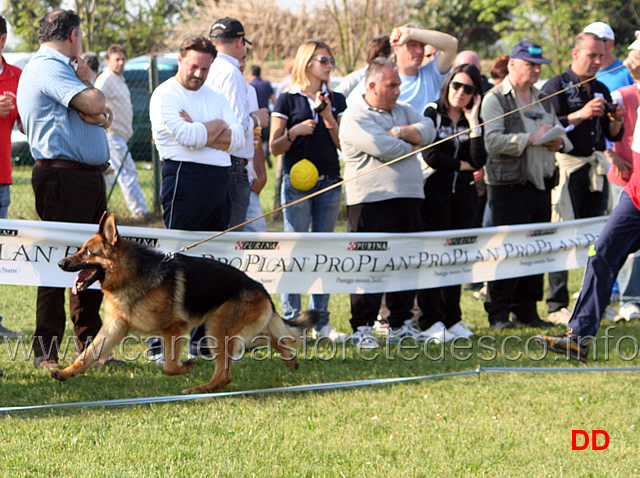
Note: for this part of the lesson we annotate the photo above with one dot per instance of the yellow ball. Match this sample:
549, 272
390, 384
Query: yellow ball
303, 175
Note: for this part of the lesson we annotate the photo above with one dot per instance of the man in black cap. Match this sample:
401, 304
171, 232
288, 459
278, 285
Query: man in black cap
520, 175
225, 77
583, 187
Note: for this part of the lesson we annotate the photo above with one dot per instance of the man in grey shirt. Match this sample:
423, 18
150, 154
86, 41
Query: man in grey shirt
375, 129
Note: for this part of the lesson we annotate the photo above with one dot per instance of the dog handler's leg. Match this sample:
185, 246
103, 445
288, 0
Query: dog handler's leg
174, 339
109, 335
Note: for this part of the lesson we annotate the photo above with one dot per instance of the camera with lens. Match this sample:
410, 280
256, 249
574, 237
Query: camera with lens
610, 108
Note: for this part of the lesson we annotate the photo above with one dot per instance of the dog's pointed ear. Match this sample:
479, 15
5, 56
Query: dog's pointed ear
108, 228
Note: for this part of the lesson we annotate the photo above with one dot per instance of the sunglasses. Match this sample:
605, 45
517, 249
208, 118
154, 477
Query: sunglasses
533, 116
325, 60
468, 89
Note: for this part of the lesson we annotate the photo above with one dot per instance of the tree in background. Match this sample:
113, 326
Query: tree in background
460, 19
24, 18
141, 26
555, 23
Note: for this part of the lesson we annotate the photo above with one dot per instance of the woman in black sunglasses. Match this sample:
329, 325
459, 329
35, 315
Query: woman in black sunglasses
305, 124
450, 193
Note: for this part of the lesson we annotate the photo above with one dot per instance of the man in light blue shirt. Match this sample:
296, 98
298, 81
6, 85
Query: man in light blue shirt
620, 76
64, 118
421, 83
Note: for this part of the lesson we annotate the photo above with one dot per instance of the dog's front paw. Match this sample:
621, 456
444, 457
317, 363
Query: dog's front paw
58, 374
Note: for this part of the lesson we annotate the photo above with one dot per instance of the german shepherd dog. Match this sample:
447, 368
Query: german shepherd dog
153, 294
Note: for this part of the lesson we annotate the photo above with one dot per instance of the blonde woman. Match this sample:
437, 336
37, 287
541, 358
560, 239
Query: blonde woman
305, 124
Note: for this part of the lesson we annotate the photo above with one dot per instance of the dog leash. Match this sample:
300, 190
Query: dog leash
170, 255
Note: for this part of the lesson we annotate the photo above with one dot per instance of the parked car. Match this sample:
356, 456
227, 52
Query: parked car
136, 74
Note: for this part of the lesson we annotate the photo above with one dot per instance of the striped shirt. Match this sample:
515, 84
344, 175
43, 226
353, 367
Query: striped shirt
55, 130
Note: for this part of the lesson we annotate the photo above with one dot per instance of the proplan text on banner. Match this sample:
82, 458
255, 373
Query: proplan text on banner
323, 262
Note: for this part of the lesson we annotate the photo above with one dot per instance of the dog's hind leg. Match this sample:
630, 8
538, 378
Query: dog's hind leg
288, 357
109, 335
174, 340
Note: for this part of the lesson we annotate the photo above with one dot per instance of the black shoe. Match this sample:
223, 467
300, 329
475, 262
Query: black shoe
535, 322
503, 324
568, 344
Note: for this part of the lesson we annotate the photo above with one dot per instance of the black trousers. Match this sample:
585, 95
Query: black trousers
449, 204
392, 215
67, 195
585, 204
516, 204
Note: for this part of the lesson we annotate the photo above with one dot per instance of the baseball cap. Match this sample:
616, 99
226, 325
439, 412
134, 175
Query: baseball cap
529, 51
228, 27
601, 30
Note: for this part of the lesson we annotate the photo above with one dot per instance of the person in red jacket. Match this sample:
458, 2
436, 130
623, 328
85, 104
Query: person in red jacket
619, 238
9, 76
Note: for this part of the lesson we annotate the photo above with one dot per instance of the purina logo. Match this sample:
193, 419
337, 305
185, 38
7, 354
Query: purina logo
542, 232
368, 246
461, 241
257, 245
9, 232
145, 241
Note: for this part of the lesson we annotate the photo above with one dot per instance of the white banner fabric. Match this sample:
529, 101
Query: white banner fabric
323, 262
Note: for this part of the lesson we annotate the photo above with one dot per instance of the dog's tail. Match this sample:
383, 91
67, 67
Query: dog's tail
292, 331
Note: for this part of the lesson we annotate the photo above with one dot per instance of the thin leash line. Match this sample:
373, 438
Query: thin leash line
388, 163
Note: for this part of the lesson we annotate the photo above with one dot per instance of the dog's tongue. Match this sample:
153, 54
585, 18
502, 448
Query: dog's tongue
74, 289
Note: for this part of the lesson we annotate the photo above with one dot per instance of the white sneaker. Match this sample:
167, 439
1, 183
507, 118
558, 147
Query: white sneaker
363, 338
408, 330
381, 326
610, 313
630, 311
459, 330
329, 332
438, 332
560, 316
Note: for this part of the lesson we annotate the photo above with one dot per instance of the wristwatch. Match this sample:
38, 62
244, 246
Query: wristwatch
396, 132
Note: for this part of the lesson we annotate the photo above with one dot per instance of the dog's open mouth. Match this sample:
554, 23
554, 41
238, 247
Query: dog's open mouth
86, 277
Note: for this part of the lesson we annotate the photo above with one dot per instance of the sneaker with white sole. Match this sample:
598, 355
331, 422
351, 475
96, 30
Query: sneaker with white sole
630, 311
407, 331
329, 332
610, 313
363, 338
560, 316
438, 333
459, 330
381, 325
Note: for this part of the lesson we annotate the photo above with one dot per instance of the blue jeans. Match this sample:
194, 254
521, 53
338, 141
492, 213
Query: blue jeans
319, 214
619, 238
629, 275
5, 200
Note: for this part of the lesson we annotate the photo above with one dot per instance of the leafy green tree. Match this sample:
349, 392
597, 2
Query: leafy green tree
554, 24
460, 19
24, 18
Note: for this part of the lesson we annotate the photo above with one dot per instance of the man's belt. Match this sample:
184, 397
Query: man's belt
242, 161
64, 164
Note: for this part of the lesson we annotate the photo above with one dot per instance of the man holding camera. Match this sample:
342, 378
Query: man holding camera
583, 190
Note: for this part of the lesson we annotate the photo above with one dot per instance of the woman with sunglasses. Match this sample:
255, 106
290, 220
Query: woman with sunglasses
305, 125
450, 193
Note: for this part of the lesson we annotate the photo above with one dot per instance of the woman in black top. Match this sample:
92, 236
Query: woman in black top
450, 193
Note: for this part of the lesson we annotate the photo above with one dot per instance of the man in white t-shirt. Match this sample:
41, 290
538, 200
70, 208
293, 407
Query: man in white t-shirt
195, 130
113, 85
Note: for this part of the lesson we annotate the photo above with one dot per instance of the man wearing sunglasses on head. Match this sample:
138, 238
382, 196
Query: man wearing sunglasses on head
583, 188
520, 174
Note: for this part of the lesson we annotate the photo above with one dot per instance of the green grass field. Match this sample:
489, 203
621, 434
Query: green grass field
492, 424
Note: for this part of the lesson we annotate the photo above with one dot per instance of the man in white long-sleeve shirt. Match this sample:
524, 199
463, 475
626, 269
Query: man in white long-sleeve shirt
195, 130
228, 36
